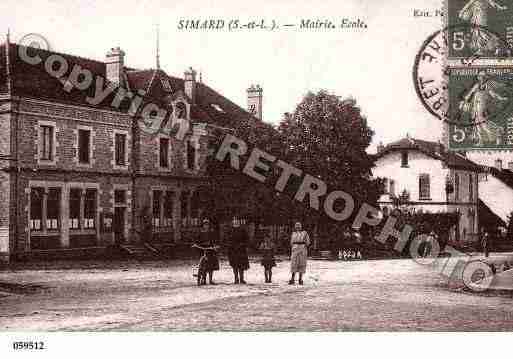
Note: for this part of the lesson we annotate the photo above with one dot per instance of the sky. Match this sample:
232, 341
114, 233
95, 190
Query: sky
373, 65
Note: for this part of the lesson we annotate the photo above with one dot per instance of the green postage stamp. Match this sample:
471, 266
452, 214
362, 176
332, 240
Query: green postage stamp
479, 73
480, 108
482, 28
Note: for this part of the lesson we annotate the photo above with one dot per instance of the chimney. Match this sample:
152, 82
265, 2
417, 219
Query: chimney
498, 164
381, 147
115, 62
255, 101
190, 87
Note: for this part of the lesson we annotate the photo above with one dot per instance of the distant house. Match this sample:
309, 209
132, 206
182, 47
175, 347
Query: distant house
434, 179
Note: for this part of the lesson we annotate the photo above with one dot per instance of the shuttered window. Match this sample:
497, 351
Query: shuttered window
424, 187
120, 145
46, 143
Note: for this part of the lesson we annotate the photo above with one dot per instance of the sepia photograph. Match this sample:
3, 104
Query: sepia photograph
187, 168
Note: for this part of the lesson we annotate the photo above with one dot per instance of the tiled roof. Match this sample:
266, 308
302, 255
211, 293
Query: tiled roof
432, 149
487, 217
33, 81
504, 175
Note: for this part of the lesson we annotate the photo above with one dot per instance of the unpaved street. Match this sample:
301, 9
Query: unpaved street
123, 296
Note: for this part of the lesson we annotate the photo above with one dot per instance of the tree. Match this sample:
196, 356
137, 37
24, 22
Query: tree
327, 137
233, 193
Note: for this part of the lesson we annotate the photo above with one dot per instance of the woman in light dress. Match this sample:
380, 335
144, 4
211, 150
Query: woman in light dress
476, 12
299, 243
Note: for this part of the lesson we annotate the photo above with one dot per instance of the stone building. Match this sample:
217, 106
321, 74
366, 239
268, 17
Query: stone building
78, 170
435, 179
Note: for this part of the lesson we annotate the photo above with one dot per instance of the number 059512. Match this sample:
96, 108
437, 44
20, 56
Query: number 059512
28, 345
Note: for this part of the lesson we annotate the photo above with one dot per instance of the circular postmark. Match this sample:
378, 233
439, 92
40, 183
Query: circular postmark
473, 92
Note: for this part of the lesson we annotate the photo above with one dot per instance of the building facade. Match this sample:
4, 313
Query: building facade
498, 168
434, 179
78, 170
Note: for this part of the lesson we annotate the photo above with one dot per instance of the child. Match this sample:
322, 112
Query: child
268, 262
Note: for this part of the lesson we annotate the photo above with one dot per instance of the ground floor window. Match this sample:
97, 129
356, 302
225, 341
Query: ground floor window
36, 208
44, 208
90, 208
168, 209
53, 208
157, 200
75, 195
82, 208
163, 203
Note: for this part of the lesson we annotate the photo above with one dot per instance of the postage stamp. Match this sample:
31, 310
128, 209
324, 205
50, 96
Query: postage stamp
480, 109
485, 23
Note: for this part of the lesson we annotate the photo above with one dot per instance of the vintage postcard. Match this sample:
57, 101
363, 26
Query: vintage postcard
264, 166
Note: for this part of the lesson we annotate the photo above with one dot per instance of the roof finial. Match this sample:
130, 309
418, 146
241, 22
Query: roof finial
201, 76
8, 37
158, 47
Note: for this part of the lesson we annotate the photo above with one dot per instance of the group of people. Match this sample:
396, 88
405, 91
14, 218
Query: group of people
237, 250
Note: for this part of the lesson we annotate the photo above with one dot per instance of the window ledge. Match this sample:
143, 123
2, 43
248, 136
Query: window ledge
39, 233
83, 164
82, 231
46, 162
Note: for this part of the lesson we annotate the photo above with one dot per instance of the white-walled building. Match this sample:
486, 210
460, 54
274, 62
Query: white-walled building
436, 180
496, 185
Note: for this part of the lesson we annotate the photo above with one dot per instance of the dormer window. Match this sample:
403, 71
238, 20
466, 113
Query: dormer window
181, 111
404, 159
166, 85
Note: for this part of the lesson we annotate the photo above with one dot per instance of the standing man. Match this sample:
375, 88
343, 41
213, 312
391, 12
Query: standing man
485, 244
238, 251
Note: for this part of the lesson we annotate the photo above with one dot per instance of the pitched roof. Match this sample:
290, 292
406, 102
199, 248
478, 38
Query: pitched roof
487, 218
504, 175
33, 81
431, 149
